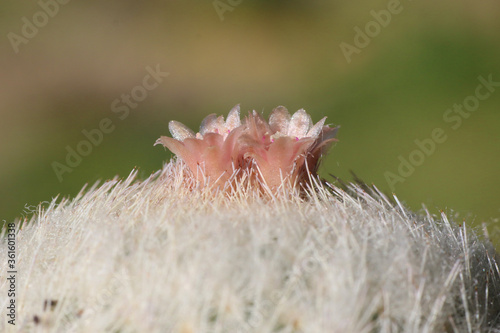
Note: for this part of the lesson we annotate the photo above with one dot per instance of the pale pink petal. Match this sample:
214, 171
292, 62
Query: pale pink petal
213, 139
279, 120
316, 129
328, 132
207, 123
171, 144
194, 154
231, 144
284, 155
187, 154
299, 124
180, 131
257, 129
233, 118
286, 147
212, 124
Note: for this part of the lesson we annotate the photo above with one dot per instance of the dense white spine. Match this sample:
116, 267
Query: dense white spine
165, 256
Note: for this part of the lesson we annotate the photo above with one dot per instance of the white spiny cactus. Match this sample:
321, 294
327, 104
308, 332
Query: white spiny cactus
173, 254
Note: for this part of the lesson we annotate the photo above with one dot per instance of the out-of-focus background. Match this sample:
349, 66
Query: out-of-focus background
389, 72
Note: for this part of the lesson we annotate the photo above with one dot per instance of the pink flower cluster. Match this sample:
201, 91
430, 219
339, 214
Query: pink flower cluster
283, 148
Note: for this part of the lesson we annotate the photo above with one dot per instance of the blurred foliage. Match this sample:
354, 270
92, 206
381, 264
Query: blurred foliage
262, 54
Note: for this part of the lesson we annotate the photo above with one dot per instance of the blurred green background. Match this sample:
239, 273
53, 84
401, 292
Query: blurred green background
66, 74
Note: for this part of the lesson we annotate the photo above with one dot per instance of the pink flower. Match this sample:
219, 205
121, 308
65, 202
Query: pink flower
211, 153
284, 148
287, 147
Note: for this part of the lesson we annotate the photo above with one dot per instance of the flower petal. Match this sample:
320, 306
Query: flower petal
328, 133
279, 120
299, 124
213, 140
179, 131
257, 129
316, 129
175, 146
233, 118
211, 124
285, 147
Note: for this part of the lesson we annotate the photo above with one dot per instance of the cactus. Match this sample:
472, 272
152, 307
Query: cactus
213, 242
